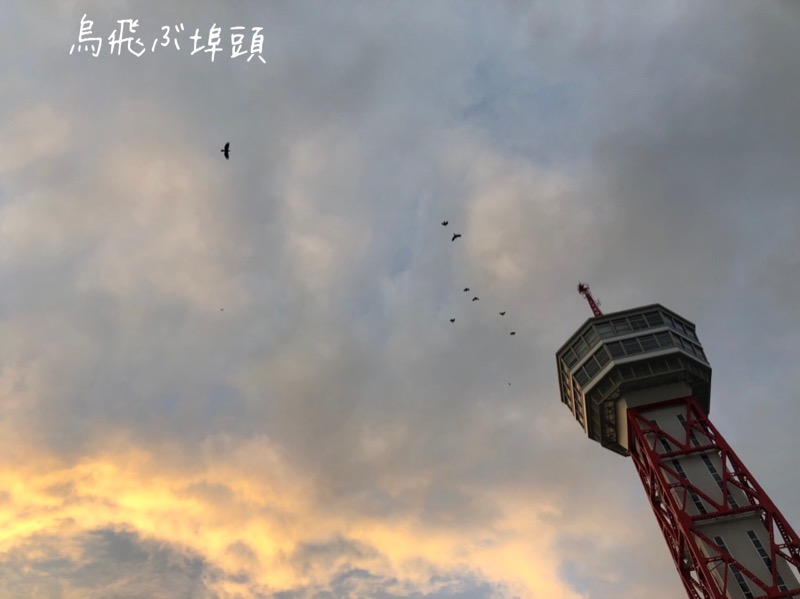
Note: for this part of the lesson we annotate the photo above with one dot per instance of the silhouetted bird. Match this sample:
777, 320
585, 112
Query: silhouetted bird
466, 289
455, 236
513, 332
452, 320
475, 299
444, 223
226, 150
502, 313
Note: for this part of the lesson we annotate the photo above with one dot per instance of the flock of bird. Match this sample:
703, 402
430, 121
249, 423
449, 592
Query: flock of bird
226, 152
466, 289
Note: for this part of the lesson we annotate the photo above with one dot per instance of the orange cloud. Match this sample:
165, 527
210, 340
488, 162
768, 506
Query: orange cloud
246, 512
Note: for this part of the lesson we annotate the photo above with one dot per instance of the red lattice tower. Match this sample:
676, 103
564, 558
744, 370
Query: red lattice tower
639, 383
709, 569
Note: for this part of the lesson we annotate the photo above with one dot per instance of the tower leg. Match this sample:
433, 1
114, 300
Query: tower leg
727, 538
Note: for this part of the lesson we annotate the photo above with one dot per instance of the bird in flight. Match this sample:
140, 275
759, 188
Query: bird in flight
475, 299
452, 320
226, 150
513, 332
455, 236
466, 289
502, 313
444, 223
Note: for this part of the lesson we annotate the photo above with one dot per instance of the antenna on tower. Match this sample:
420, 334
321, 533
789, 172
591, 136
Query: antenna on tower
583, 289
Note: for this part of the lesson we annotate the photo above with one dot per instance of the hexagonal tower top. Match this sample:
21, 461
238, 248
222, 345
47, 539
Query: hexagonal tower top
629, 359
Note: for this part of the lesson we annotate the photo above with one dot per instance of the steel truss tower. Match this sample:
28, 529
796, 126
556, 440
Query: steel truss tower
639, 383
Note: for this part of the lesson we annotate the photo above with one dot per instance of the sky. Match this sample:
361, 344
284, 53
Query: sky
239, 379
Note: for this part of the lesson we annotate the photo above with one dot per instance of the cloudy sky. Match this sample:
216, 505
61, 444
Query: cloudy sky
225, 379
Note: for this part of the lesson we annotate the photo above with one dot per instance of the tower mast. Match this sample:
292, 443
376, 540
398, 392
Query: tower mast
583, 289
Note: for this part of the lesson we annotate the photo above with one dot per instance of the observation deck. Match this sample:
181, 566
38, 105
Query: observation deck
630, 359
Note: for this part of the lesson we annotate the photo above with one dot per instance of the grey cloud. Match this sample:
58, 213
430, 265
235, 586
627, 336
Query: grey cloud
110, 563
675, 129
329, 553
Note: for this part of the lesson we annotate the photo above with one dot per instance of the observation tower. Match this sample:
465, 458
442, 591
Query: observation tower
639, 383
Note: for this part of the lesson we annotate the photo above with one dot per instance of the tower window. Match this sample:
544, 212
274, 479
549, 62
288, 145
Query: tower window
698, 503
664, 339
736, 573
591, 367
762, 552
615, 349
631, 346
604, 329
662, 440
621, 326
698, 351
718, 478
654, 319
695, 441
591, 336
602, 356
648, 342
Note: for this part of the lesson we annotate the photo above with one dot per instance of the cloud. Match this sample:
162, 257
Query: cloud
239, 379
243, 521
35, 133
